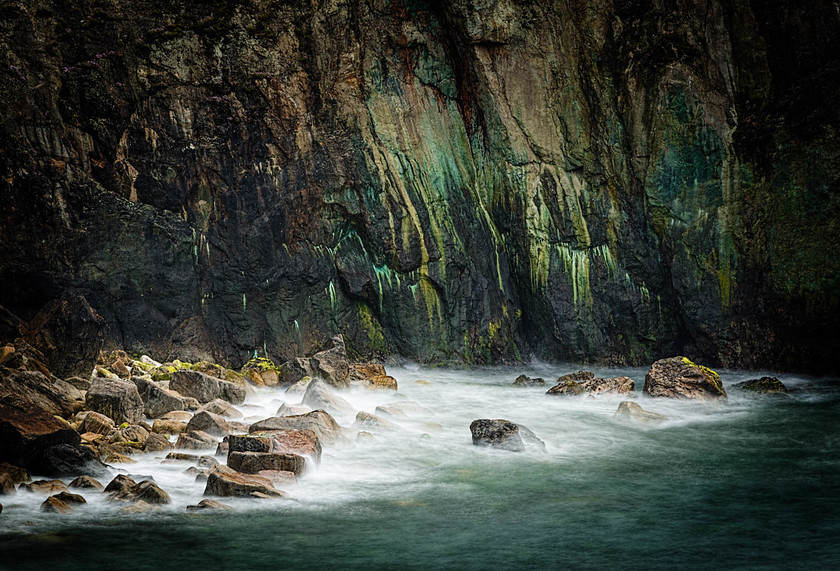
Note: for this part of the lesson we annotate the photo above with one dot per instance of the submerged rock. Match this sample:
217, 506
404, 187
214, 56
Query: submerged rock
504, 434
211, 505
678, 377
628, 410
54, 505
254, 462
366, 421
584, 382
526, 381
319, 396
210, 423
224, 481
764, 385
404, 409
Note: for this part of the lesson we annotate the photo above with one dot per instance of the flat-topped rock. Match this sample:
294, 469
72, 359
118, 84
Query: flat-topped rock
318, 421
679, 377
205, 388
226, 482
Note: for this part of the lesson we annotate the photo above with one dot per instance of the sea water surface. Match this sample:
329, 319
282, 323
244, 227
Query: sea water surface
750, 484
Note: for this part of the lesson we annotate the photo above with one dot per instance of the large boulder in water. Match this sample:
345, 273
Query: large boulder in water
301, 442
628, 410
256, 462
210, 423
66, 460
205, 388
526, 381
678, 377
116, 399
318, 421
224, 481
584, 382
504, 434
157, 400
27, 431
319, 396
764, 386
69, 333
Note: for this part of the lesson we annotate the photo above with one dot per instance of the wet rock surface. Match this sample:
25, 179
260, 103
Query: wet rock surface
504, 434
679, 377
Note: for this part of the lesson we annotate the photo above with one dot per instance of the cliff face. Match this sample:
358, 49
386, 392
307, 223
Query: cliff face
476, 180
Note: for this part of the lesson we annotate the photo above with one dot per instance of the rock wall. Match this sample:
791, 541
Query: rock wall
466, 180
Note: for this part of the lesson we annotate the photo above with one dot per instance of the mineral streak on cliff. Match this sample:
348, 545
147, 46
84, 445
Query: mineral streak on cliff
474, 180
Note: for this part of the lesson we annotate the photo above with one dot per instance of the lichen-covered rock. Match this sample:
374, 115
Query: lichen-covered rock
116, 399
205, 388
526, 381
628, 410
504, 434
318, 421
679, 377
262, 371
764, 385
226, 482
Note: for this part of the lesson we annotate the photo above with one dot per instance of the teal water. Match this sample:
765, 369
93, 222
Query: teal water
753, 484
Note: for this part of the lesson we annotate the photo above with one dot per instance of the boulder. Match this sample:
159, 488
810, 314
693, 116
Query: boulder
628, 410
301, 442
526, 381
7, 485
262, 372
86, 482
222, 408
254, 462
403, 409
78, 382
195, 440
157, 400
97, 423
279, 477
365, 371
298, 389
69, 333
210, 423
382, 382
225, 482
583, 382
11, 326
16, 474
211, 505
764, 385
169, 426
54, 505
678, 377
116, 399
320, 422
157, 443
44, 487
179, 415
319, 396
145, 491
366, 421
52, 394
64, 460
205, 388
287, 410
504, 434
331, 364
70, 498
27, 431
134, 436
119, 483
295, 370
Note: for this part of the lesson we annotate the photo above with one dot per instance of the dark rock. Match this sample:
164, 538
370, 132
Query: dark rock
52, 394
116, 399
319, 396
69, 333
157, 400
504, 434
205, 388
331, 365
70, 498
224, 481
119, 483
11, 326
7, 484
678, 377
526, 381
211, 505
764, 385
291, 372
16, 474
145, 491
210, 423
628, 410
86, 482
27, 431
78, 382
64, 460
301, 442
318, 421
253, 462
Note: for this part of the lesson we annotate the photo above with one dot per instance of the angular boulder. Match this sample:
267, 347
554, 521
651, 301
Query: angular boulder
210, 423
504, 434
764, 386
196, 440
222, 408
526, 381
15, 474
365, 371
331, 365
66, 460
116, 399
53, 395
157, 400
97, 423
70, 335
44, 487
205, 388
292, 441
584, 382
678, 377
161, 426
86, 482
254, 462
27, 431
318, 421
366, 421
226, 482
628, 410
319, 396
54, 505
